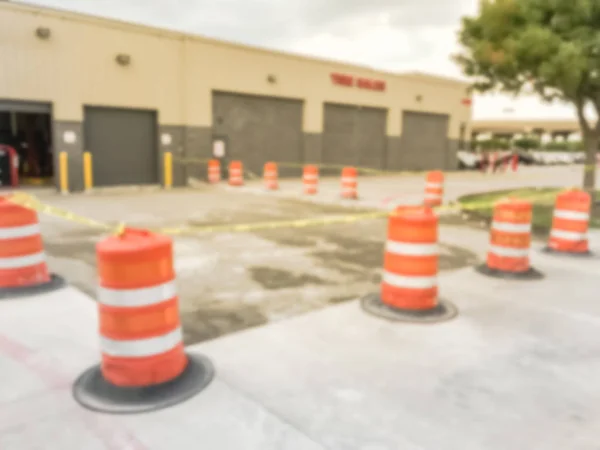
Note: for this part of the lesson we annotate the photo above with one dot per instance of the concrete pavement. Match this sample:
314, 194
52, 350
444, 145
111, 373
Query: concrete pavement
518, 368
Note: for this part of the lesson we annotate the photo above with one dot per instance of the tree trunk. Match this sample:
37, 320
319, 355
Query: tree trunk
591, 140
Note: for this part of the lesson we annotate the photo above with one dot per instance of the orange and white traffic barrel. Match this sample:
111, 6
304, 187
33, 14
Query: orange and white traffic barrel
349, 183
409, 288
23, 267
434, 188
236, 173
144, 366
214, 171
570, 223
510, 240
310, 179
270, 175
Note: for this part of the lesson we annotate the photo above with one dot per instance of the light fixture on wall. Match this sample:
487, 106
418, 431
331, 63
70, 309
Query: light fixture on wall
42, 33
272, 79
123, 59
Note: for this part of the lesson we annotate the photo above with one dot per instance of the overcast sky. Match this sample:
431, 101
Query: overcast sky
397, 35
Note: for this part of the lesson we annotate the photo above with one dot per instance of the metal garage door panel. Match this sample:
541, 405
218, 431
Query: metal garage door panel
123, 146
424, 141
339, 135
372, 137
258, 129
354, 135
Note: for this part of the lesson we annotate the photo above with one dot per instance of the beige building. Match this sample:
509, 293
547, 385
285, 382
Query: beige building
128, 93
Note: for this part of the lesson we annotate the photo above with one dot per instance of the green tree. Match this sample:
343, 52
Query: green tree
548, 47
527, 143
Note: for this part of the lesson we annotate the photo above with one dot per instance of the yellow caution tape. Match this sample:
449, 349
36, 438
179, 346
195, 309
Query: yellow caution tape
365, 170
33, 203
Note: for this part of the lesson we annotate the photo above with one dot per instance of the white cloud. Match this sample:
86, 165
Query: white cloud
395, 35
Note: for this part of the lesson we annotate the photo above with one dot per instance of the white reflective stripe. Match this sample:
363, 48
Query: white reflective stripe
270, 173
19, 232
512, 227
571, 215
404, 248
430, 195
434, 185
18, 262
509, 252
140, 348
128, 298
411, 282
214, 169
349, 180
310, 177
348, 190
569, 235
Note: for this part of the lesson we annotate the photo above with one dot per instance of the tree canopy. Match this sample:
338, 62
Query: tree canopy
547, 47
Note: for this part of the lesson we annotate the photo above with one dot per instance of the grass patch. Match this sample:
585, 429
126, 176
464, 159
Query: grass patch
480, 206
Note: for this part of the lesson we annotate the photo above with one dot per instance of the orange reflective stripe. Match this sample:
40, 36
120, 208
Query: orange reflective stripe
510, 239
147, 371
135, 274
411, 265
141, 322
504, 215
21, 246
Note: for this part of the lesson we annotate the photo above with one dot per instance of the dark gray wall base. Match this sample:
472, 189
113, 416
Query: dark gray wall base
313, 147
402, 156
74, 153
452, 155
393, 154
198, 145
171, 139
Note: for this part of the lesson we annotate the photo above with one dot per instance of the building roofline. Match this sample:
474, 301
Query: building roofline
123, 25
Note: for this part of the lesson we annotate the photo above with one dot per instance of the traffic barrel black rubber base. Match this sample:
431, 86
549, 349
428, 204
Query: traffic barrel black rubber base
372, 304
56, 282
587, 254
530, 274
93, 392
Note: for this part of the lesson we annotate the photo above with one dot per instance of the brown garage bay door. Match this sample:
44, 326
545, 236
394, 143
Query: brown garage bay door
354, 135
123, 145
258, 129
424, 143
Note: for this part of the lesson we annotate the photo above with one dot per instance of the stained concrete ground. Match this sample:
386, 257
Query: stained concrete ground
517, 369
229, 281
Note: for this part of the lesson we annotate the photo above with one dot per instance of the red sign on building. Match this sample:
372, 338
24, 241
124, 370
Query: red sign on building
342, 79
362, 83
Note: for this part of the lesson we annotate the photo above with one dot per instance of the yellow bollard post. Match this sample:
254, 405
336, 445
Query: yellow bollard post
88, 179
168, 163
64, 173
